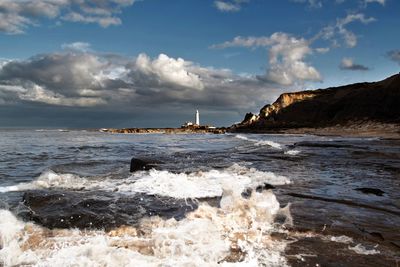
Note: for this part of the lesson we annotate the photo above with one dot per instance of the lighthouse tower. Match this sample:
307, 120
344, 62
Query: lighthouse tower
197, 118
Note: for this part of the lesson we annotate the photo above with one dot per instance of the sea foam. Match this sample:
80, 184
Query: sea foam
260, 142
164, 183
236, 234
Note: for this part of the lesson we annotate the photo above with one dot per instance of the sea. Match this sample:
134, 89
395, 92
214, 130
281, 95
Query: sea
67, 198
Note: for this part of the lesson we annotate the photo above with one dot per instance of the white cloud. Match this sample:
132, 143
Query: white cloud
103, 21
76, 46
320, 3
311, 3
169, 70
341, 29
382, 2
348, 64
38, 94
16, 16
286, 57
229, 5
322, 50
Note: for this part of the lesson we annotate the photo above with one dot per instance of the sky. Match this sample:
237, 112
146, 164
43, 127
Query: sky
152, 63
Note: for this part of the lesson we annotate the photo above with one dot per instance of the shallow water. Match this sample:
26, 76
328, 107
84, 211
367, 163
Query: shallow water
67, 198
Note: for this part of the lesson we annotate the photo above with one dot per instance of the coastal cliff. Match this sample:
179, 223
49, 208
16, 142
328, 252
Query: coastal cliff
362, 104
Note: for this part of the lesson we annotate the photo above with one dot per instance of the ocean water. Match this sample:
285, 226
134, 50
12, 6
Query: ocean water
67, 199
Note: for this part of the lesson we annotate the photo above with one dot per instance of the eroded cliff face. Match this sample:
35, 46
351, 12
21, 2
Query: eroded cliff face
285, 100
270, 111
377, 101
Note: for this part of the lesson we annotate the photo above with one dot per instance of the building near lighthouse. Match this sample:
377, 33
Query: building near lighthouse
196, 125
190, 124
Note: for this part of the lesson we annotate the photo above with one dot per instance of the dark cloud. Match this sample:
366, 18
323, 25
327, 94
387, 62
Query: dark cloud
394, 55
81, 83
15, 16
348, 64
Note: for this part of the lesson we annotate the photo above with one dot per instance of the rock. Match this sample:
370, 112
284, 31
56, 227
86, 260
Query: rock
248, 191
98, 209
263, 187
140, 165
374, 191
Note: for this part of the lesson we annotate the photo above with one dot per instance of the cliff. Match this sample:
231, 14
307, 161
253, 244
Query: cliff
377, 102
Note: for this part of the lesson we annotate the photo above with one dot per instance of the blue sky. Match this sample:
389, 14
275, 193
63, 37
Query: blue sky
146, 63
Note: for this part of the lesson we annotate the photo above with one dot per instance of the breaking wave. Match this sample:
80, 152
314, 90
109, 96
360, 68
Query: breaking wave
292, 152
238, 233
164, 183
261, 142
271, 144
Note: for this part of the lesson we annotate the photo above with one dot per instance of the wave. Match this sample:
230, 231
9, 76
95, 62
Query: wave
269, 143
51, 130
292, 152
164, 183
360, 249
260, 142
238, 233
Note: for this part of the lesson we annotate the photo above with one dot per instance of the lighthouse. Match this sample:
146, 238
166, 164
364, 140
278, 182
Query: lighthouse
197, 118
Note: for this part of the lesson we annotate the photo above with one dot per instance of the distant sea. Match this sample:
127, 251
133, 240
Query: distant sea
67, 199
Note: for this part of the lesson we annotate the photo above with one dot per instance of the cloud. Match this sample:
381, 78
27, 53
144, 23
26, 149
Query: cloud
322, 50
168, 70
348, 64
229, 5
16, 16
341, 29
382, 2
394, 55
76, 46
311, 3
139, 85
286, 57
320, 3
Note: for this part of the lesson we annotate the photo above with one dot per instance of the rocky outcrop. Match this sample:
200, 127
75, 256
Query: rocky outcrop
97, 209
142, 165
199, 130
284, 101
362, 102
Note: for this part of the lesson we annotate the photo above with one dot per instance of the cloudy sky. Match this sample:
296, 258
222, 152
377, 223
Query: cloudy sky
152, 63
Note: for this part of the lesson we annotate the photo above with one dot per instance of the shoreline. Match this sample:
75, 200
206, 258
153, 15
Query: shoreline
166, 130
379, 130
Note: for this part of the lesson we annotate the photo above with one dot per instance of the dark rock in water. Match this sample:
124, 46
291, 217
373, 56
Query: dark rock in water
99, 209
263, 187
367, 190
141, 165
248, 191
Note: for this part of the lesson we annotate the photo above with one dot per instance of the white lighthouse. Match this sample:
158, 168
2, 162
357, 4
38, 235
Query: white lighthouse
197, 118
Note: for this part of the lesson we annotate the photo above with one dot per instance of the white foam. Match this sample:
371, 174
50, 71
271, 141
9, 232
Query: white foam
239, 231
292, 152
341, 239
18, 187
260, 142
50, 179
360, 249
163, 183
239, 136
203, 184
